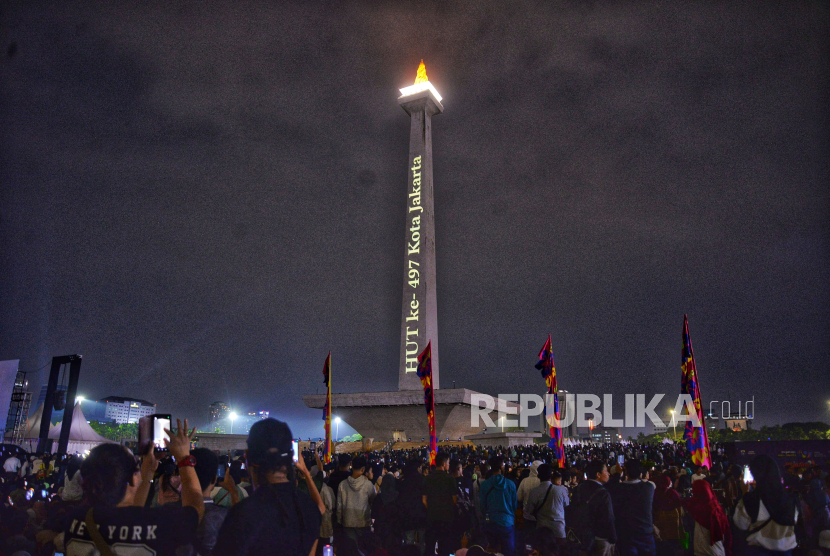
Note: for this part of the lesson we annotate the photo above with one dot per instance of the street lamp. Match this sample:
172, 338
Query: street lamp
79, 399
233, 417
673, 425
337, 422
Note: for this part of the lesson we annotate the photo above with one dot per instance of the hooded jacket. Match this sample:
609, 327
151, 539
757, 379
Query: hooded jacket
498, 500
354, 502
529, 483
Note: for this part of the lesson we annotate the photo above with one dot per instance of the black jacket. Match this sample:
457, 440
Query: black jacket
599, 507
276, 520
632, 503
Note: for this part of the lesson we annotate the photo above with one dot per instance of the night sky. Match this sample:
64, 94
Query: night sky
204, 198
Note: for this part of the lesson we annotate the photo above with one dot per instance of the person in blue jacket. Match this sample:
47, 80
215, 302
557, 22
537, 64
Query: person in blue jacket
498, 504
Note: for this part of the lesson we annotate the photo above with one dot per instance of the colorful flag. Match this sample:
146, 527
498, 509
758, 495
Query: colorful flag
545, 364
425, 374
697, 441
327, 409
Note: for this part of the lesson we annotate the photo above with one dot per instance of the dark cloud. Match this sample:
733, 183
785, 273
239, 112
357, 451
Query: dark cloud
207, 198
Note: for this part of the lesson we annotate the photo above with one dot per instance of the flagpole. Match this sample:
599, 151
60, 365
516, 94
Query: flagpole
328, 394
424, 372
548, 369
697, 439
327, 410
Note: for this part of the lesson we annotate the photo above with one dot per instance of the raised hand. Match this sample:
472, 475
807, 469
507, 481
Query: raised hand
179, 444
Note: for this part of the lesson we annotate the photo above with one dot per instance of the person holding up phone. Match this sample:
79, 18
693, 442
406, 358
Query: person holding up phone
768, 513
228, 492
116, 486
277, 518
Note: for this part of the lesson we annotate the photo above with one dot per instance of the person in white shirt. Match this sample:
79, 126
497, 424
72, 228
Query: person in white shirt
12, 464
547, 502
11, 467
768, 513
698, 474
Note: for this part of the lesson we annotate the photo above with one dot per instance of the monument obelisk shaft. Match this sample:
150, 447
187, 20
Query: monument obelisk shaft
398, 415
419, 321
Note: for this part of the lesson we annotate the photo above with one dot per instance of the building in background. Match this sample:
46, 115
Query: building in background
120, 410
605, 434
734, 422
652, 428
219, 411
568, 431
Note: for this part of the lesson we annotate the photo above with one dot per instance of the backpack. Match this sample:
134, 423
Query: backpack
464, 509
578, 524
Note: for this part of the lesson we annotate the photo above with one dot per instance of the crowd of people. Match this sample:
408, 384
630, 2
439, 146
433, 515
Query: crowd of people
627, 499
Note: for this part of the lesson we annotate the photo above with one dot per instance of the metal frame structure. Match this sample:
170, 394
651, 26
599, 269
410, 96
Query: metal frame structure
74, 362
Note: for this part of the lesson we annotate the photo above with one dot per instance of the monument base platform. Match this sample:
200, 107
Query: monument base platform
398, 416
504, 439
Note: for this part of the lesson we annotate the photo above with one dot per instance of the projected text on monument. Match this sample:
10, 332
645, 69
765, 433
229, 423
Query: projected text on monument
419, 310
413, 252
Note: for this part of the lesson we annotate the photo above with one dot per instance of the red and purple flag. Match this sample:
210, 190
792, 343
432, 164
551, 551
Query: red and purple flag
425, 374
697, 441
548, 369
327, 409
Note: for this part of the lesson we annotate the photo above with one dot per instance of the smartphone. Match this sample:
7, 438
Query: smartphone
151, 431
621, 460
312, 446
44, 494
748, 478
296, 447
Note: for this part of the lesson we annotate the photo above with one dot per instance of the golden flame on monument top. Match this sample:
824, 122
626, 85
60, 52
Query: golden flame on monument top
422, 74
421, 84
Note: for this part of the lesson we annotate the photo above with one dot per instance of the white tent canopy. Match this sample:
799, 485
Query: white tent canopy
33, 423
80, 431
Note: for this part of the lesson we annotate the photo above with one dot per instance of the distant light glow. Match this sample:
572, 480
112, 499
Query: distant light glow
337, 420
419, 87
233, 415
79, 399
